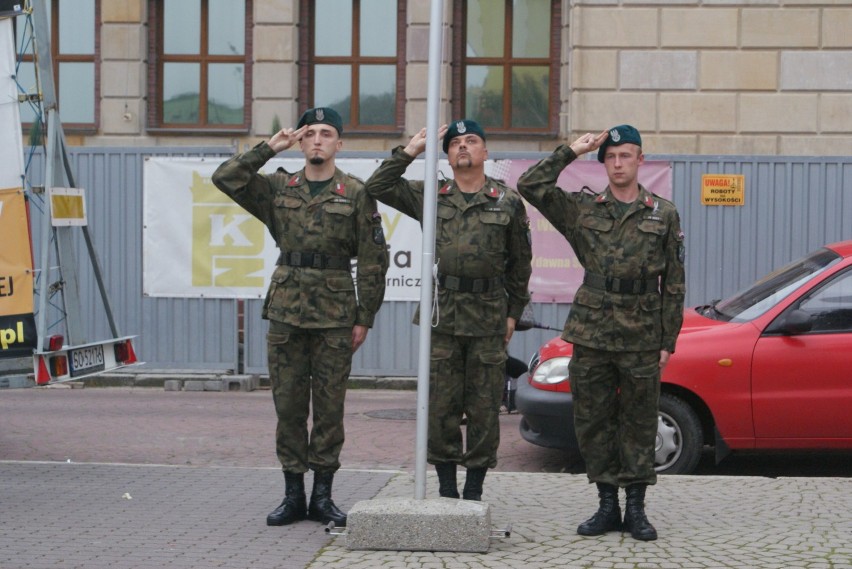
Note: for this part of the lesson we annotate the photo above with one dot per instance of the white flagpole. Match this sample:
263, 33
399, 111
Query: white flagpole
430, 190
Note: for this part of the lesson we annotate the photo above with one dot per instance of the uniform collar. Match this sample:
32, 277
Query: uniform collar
646, 198
490, 191
335, 190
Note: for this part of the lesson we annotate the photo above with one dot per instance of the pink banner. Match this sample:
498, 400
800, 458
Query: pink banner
557, 273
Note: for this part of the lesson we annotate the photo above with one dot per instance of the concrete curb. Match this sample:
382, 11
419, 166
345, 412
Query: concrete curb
214, 381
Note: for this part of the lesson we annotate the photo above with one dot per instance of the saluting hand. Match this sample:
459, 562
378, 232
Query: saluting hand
285, 138
417, 144
588, 142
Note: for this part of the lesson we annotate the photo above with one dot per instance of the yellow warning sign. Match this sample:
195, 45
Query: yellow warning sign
67, 206
722, 189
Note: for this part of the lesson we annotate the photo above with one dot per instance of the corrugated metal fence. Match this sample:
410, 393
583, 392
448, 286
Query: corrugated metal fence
792, 206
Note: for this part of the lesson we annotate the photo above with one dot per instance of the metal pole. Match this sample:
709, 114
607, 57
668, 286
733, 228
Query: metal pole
430, 191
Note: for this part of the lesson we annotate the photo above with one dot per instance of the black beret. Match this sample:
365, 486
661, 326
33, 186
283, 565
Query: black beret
461, 127
618, 135
324, 115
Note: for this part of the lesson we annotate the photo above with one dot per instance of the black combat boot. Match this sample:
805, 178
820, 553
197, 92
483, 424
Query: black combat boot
608, 516
634, 514
473, 484
293, 508
321, 508
447, 484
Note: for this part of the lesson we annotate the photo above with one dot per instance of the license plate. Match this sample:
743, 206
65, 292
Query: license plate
86, 360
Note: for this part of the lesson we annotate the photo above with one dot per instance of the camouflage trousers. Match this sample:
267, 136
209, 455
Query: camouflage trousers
309, 367
616, 397
467, 378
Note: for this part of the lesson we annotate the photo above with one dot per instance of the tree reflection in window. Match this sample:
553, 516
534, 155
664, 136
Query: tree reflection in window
202, 63
508, 63
355, 62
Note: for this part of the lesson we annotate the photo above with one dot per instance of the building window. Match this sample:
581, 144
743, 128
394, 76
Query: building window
74, 47
507, 75
199, 77
352, 59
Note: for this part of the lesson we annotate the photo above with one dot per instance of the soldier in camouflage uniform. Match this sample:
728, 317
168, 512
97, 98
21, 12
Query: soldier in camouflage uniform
483, 255
624, 320
321, 218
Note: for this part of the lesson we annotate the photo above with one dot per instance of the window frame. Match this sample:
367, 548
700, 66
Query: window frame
307, 61
156, 61
507, 62
85, 128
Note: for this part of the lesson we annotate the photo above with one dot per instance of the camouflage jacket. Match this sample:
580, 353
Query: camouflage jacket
647, 244
341, 221
484, 238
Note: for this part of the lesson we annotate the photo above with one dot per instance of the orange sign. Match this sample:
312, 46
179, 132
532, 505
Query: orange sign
17, 326
723, 189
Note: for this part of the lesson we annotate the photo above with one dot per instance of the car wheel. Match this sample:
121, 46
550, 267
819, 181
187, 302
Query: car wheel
679, 438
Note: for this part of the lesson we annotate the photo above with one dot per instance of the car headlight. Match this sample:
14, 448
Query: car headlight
552, 371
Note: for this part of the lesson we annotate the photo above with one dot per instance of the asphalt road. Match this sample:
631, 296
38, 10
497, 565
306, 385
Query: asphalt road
154, 426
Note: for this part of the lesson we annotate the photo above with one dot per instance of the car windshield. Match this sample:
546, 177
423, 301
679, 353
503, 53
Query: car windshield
771, 289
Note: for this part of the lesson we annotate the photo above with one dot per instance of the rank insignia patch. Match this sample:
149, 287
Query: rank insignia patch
378, 236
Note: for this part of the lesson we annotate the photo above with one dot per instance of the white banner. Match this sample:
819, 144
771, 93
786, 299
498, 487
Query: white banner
198, 243
17, 324
11, 146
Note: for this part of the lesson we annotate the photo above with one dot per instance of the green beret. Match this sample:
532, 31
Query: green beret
458, 128
618, 135
324, 115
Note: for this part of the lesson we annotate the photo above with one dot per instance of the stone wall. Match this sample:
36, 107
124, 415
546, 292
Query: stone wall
766, 77
714, 77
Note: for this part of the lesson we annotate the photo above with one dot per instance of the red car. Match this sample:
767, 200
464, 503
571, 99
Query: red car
767, 368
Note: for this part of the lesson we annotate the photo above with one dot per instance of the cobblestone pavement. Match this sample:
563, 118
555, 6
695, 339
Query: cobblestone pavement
139, 477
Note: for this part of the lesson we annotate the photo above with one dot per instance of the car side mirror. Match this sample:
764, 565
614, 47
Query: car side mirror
792, 323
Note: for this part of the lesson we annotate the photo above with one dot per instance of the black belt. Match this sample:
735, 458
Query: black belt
464, 284
313, 260
621, 286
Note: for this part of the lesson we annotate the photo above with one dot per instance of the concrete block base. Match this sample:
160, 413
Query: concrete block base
15, 381
240, 383
438, 524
